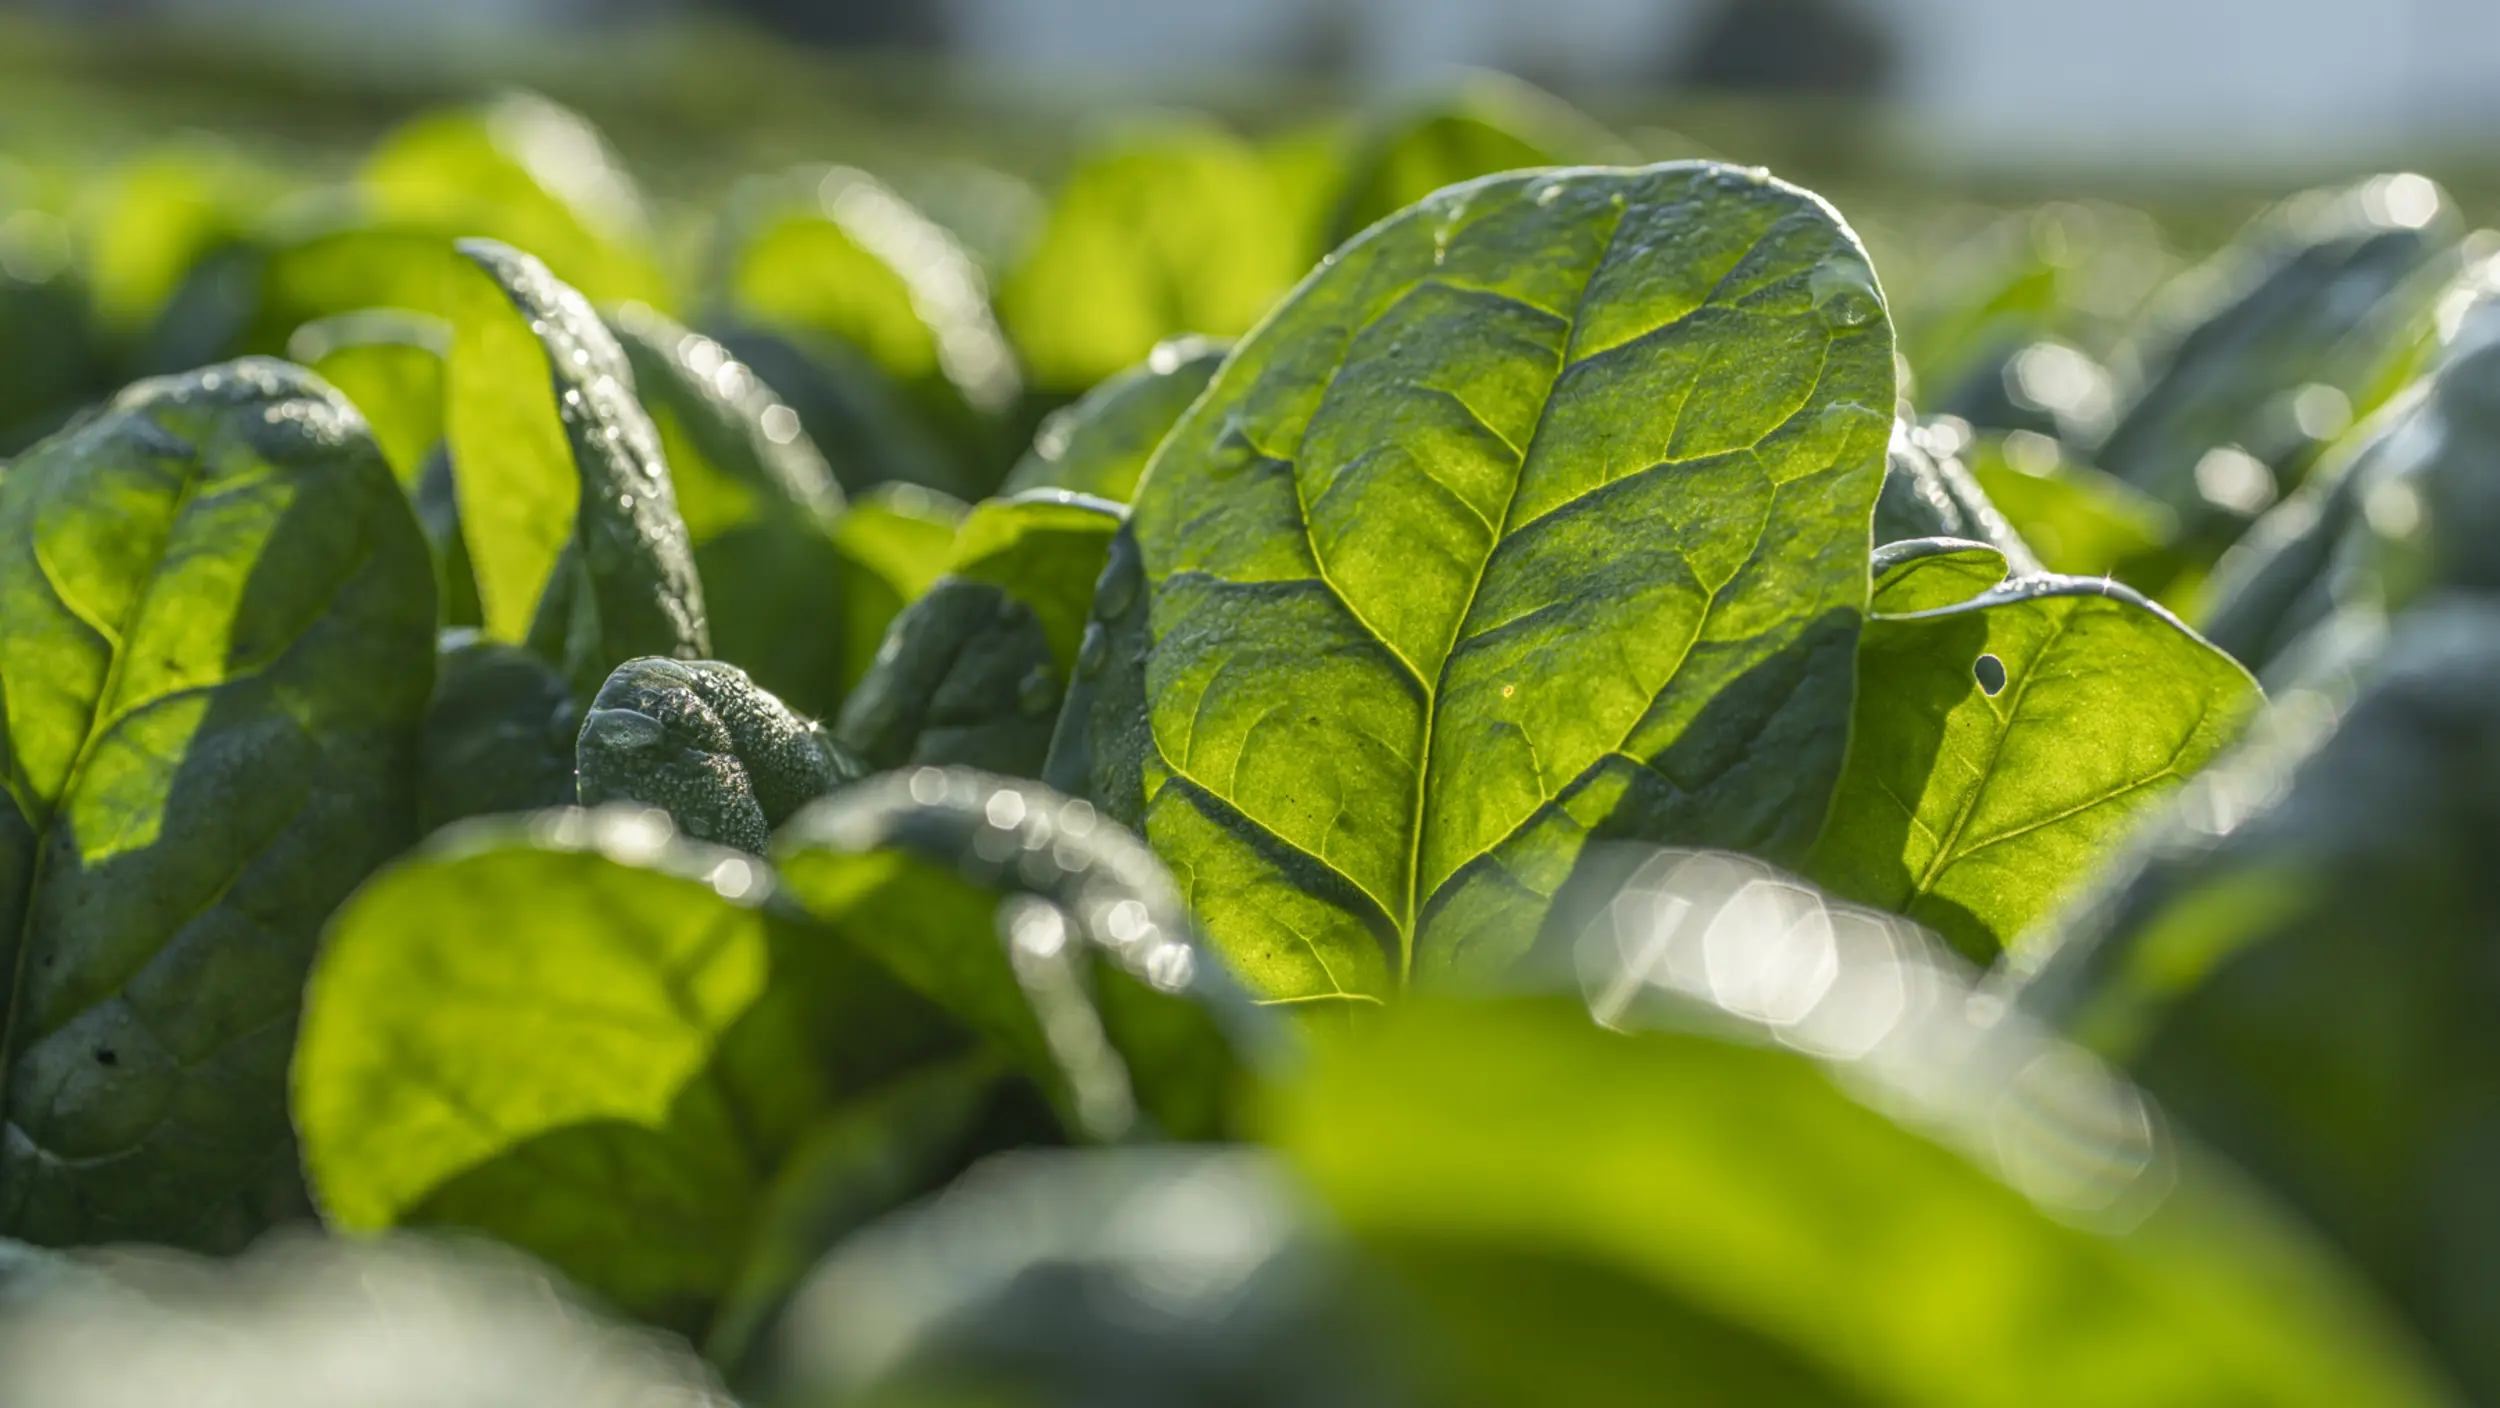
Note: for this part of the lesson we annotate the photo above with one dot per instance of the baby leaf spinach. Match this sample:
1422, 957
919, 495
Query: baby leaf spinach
973, 673
389, 365
1100, 445
696, 738
2298, 964
216, 642
759, 505
1052, 933
617, 1086
498, 734
2003, 742
565, 501
1159, 231
1540, 510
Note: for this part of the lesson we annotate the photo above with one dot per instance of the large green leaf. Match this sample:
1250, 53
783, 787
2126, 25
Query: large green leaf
759, 504
1945, 1208
1100, 445
2004, 742
1159, 231
525, 171
216, 641
1539, 510
973, 672
1052, 933
565, 501
617, 1085
727, 761
2298, 964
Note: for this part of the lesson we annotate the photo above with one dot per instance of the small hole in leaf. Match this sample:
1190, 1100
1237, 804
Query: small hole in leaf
104, 1056
1991, 673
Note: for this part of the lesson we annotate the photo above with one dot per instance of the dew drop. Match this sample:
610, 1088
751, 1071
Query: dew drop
1844, 293
1037, 693
1116, 591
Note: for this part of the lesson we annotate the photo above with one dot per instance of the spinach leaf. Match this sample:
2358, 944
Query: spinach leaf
2298, 964
615, 1089
1164, 1276
2313, 294
498, 734
1938, 1206
759, 504
1540, 510
696, 738
1099, 748
216, 641
973, 673
565, 501
1156, 232
1057, 936
309, 1323
832, 253
389, 365
1488, 123
895, 541
1928, 495
530, 173
1100, 445
2003, 743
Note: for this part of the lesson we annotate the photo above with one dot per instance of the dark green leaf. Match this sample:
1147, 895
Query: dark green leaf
1099, 749
759, 504
1541, 510
1100, 445
895, 542
1052, 933
216, 642
1136, 1276
498, 734
617, 1081
2298, 965
1159, 231
2315, 293
866, 423
973, 672
1954, 1210
565, 501
2004, 742
727, 761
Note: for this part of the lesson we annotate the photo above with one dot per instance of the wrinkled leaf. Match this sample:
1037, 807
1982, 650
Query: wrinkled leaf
973, 672
2298, 965
1540, 511
616, 1086
2002, 744
498, 734
565, 501
1100, 445
216, 641
727, 761
1159, 231
1052, 933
